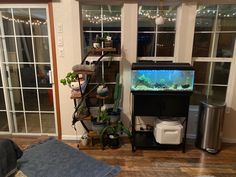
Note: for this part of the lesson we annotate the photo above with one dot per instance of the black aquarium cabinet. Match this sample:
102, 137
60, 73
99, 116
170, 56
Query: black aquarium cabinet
161, 90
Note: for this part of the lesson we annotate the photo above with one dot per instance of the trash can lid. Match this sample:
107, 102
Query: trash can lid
213, 104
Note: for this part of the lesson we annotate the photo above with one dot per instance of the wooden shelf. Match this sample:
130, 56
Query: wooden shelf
84, 72
107, 49
87, 118
92, 134
101, 97
75, 95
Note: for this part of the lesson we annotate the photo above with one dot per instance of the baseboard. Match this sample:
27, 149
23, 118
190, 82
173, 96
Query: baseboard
71, 137
229, 140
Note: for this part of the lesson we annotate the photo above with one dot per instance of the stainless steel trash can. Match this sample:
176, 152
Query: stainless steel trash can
210, 123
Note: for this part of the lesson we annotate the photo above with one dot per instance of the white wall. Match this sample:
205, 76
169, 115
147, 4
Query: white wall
66, 17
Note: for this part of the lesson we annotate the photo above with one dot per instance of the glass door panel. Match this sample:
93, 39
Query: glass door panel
3, 114
27, 63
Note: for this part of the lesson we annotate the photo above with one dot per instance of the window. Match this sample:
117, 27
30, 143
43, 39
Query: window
102, 20
156, 39
214, 37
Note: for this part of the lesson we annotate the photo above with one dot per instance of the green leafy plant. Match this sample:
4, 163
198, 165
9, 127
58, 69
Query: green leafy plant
114, 129
117, 94
70, 77
102, 116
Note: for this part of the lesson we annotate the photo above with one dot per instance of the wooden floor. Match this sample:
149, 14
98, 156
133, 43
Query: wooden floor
161, 163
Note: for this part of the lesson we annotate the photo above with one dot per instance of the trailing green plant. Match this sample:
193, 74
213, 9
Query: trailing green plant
117, 93
70, 77
102, 116
114, 129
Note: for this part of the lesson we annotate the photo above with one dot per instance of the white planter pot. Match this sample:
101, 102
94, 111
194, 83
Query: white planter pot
84, 142
96, 45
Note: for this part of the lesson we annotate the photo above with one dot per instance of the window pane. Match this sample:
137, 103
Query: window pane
39, 21
116, 42
7, 22
25, 51
146, 44
20, 122
33, 123
91, 16
48, 123
46, 99
169, 15
111, 69
43, 75
30, 100
2, 100
89, 38
221, 73
201, 45
217, 94
225, 47
165, 44
17, 99
92, 100
146, 18
11, 49
111, 18
14, 75
3, 121
226, 18
148, 14
28, 75
205, 18
202, 72
199, 94
41, 49
22, 25
97, 76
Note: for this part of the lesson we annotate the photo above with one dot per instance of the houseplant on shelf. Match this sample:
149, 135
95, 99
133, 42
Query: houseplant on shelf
72, 80
99, 122
110, 134
97, 42
84, 140
114, 112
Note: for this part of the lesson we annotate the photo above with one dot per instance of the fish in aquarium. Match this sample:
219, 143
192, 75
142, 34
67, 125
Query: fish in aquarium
162, 80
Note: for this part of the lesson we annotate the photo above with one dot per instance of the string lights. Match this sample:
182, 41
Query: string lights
27, 22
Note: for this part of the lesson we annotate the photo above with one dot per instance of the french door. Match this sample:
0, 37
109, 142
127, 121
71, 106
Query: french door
26, 79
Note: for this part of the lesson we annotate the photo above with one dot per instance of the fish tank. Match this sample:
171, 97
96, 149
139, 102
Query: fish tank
162, 77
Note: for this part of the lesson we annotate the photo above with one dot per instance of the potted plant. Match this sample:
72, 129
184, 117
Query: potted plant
97, 42
71, 80
110, 134
99, 122
102, 91
114, 112
70, 77
84, 140
108, 40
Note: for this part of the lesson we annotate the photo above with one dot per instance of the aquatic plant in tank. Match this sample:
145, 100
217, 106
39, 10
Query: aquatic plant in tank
162, 80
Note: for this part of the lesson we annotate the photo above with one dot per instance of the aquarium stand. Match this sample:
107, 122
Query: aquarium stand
168, 104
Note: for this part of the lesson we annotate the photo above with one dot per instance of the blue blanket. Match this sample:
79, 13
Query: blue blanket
9, 153
53, 158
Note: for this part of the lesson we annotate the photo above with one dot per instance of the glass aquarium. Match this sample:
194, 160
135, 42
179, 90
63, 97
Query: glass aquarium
154, 77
